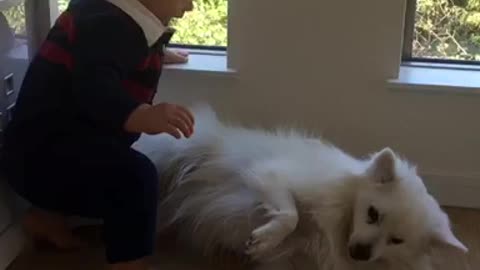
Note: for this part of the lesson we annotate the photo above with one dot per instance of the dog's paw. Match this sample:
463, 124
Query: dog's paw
263, 239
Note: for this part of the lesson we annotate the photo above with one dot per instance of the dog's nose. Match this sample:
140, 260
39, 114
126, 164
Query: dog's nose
360, 252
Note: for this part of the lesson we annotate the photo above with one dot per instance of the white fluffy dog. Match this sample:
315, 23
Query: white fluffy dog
285, 199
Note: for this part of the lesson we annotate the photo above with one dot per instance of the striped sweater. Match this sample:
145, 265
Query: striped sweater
94, 68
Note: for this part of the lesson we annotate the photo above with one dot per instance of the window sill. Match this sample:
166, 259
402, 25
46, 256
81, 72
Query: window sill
203, 63
200, 62
432, 78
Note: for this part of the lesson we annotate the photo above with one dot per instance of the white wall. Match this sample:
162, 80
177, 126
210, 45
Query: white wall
323, 66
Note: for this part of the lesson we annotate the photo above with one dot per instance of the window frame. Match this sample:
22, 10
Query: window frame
197, 47
407, 46
43, 17
53, 12
38, 16
408, 30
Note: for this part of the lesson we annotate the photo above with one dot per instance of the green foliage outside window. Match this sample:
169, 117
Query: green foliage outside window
445, 29
206, 25
16, 19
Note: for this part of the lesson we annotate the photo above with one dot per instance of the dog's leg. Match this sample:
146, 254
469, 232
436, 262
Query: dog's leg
337, 240
280, 208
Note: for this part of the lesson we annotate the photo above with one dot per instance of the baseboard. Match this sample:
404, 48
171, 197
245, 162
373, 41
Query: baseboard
12, 242
454, 190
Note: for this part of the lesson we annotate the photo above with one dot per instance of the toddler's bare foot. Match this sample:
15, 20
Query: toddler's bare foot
52, 229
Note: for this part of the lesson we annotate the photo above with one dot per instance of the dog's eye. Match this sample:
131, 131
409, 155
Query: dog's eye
395, 241
373, 215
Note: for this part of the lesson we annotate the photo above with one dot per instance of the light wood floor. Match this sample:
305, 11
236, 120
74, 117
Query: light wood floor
466, 225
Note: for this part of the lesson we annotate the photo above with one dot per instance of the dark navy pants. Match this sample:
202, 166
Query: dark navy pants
96, 179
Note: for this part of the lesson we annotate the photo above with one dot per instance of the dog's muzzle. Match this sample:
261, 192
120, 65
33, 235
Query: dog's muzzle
360, 252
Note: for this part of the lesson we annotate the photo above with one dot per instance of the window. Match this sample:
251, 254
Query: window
14, 14
445, 31
13, 25
205, 27
28, 21
62, 5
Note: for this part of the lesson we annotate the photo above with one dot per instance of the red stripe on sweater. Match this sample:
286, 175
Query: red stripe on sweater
65, 21
56, 54
152, 61
140, 93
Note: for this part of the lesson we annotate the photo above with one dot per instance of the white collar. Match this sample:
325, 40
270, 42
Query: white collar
152, 27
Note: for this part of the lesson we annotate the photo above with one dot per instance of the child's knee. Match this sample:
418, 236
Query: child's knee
150, 171
140, 182
148, 174
150, 189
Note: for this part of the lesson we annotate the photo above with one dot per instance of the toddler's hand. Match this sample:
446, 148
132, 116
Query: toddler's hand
175, 57
162, 118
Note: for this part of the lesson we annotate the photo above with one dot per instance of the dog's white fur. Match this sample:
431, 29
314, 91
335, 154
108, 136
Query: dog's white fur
284, 198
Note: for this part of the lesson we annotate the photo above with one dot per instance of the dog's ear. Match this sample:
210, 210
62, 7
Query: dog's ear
443, 237
383, 166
